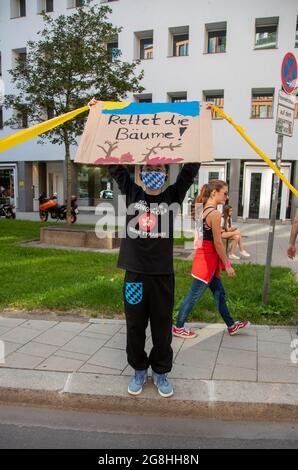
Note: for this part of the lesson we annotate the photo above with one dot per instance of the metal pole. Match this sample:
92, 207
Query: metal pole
272, 220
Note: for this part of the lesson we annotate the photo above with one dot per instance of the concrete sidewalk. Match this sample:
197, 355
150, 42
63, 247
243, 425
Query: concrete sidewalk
255, 237
82, 364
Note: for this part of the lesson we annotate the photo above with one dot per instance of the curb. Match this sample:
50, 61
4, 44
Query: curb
226, 400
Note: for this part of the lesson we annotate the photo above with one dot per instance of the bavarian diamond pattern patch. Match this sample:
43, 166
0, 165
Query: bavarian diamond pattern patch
154, 179
133, 292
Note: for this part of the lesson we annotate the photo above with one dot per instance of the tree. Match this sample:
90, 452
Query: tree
70, 62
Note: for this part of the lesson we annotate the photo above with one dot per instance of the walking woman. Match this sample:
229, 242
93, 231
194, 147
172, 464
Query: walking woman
210, 257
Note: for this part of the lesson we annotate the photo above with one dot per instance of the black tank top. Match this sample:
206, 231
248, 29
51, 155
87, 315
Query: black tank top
204, 231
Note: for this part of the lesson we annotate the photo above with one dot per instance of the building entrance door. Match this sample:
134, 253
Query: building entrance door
257, 191
207, 172
211, 171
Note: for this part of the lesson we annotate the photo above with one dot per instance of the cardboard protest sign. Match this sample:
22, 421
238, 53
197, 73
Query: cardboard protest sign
152, 133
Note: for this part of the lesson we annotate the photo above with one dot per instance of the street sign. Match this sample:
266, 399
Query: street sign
284, 126
289, 72
285, 114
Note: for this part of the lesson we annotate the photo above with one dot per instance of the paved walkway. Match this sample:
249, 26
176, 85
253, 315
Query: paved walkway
85, 362
255, 240
253, 375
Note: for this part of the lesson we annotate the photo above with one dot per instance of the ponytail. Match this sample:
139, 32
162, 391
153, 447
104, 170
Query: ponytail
204, 194
206, 191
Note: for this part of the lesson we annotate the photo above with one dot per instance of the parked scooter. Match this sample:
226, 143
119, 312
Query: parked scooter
50, 206
8, 211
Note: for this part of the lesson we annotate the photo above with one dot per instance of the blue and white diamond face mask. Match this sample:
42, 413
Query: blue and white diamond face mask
153, 179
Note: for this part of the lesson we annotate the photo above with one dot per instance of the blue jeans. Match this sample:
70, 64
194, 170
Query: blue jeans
196, 292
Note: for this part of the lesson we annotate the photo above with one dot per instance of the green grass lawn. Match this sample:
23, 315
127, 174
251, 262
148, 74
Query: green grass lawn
40, 279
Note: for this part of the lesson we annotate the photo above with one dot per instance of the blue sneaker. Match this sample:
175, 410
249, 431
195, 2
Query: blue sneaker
164, 387
135, 386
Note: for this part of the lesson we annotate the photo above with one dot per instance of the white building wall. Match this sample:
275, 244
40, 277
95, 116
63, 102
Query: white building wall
237, 71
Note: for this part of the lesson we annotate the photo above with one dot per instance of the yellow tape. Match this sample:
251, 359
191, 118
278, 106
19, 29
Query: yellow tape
115, 105
26, 134
256, 149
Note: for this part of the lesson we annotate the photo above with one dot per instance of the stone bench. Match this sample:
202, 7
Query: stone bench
79, 237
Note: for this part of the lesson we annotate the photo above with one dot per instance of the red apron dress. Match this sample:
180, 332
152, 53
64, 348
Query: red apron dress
206, 262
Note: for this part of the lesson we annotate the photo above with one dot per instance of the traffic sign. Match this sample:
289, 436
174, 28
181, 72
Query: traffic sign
284, 126
285, 114
289, 72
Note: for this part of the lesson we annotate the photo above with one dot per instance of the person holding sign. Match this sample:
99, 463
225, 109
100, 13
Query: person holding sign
146, 255
210, 257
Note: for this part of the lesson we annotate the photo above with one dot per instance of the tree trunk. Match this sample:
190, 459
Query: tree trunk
68, 176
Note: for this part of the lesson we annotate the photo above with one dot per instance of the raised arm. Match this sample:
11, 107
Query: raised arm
122, 177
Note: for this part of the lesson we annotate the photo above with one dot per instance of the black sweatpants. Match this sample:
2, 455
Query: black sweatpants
149, 297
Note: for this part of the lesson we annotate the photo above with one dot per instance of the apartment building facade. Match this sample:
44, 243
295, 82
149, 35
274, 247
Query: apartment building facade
227, 52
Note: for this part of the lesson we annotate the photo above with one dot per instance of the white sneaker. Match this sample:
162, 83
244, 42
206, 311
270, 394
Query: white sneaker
234, 256
244, 254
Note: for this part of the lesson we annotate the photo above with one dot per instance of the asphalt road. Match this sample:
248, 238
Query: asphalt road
42, 428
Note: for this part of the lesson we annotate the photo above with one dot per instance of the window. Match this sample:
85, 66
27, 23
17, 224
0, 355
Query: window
49, 6
216, 97
50, 112
216, 35
22, 119
113, 50
22, 7
45, 6
178, 41
75, 3
144, 45
178, 99
177, 96
296, 38
19, 57
146, 48
262, 103
180, 45
23, 56
266, 33
144, 98
17, 8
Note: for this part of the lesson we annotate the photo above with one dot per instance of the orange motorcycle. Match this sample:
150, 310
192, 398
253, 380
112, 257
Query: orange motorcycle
50, 206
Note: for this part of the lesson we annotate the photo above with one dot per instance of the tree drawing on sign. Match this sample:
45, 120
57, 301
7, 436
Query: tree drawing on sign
111, 147
152, 150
